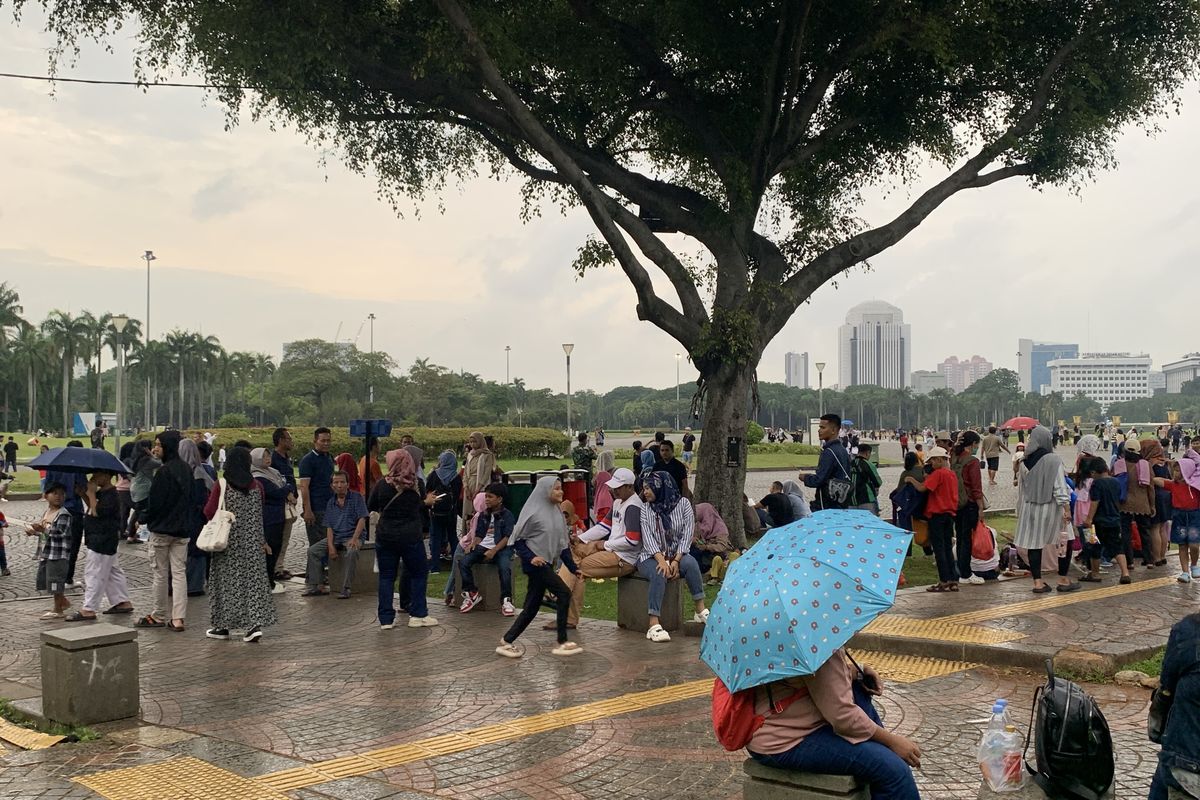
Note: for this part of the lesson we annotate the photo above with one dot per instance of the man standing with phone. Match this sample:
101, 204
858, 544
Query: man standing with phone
832, 478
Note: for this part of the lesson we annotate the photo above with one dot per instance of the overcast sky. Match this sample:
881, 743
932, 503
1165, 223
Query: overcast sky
258, 242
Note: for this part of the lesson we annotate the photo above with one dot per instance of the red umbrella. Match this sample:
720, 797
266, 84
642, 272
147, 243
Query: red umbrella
1020, 424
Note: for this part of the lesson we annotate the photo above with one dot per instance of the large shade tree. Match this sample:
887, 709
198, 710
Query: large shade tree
752, 129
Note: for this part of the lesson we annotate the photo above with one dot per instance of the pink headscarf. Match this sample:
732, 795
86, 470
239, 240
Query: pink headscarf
1143, 470
604, 499
1189, 465
402, 473
709, 525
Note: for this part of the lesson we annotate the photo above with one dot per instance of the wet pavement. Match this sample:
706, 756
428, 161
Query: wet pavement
330, 706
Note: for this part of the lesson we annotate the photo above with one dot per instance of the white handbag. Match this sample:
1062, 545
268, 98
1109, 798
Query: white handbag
214, 536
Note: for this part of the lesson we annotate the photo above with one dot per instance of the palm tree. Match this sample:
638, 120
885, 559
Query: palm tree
206, 354
31, 352
69, 337
179, 344
154, 363
241, 368
118, 344
10, 311
97, 327
263, 368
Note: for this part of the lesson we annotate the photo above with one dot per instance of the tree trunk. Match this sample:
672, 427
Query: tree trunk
726, 402
31, 386
182, 401
99, 380
66, 396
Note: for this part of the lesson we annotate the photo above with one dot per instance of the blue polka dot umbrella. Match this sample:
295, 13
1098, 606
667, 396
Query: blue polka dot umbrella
799, 594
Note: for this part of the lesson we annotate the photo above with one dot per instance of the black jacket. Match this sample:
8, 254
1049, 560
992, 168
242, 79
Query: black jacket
169, 508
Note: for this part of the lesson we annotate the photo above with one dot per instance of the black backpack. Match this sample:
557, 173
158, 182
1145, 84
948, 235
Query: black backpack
1074, 747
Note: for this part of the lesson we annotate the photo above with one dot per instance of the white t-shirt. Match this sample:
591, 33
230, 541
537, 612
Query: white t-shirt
626, 537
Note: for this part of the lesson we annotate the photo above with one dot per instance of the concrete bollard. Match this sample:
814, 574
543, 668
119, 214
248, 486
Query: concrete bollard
89, 674
633, 598
366, 579
487, 581
768, 783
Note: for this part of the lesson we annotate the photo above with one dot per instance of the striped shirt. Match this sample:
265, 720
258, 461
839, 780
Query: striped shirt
677, 541
343, 518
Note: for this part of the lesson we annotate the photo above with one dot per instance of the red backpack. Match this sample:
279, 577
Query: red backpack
734, 719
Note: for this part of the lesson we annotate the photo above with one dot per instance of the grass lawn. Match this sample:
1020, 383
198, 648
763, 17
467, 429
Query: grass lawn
28, 451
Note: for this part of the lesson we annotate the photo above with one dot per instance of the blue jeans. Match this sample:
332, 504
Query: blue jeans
688, 568
416, 571
827, 753
503, 562
441, 531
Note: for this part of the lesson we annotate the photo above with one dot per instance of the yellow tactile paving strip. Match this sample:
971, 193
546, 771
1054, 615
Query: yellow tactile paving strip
449, 743
909, 669
25, 738
938, 628
1055, 600
178, 779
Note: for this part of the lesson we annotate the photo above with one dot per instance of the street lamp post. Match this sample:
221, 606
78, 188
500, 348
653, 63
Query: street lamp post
507, 350
371, 389
567, 348
148, 256
119, 322
821, 388
678, 358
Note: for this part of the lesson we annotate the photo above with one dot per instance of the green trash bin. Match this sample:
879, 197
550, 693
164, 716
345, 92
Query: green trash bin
520, 486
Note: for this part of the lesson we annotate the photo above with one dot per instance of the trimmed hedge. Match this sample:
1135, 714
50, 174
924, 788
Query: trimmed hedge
510, 442
787, 447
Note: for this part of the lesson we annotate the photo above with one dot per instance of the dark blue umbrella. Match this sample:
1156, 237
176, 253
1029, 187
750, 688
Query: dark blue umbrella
79, 459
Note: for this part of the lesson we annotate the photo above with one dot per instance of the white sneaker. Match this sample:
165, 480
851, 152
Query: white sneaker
386, 626
1196, 571
1184, 577
658, 634
701, 617
469, 601
507, 608
976, 580
422, 622
278, 588
252, 635
509, 650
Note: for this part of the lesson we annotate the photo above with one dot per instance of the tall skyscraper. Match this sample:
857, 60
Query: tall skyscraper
795, 370
1033, 361
961, 374
875, 347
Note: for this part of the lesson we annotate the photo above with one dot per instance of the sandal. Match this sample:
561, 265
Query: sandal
171, 626
550, 626
314, 593
1090, 579
78, 616
509, 650
120, 610
149, 622
567, 649
1045, 588
952, 587
936, 587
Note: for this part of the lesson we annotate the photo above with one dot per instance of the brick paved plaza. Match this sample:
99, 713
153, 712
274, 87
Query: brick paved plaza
329, 706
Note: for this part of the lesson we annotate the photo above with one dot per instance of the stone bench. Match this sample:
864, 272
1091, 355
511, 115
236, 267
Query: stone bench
767, 783
633, 598
487, 581
89, 674
366, 579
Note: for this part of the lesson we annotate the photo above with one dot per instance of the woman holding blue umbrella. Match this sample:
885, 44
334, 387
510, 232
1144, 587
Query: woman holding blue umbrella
667, 531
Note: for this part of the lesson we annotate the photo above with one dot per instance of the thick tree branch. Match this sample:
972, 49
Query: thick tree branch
662, 256
804, 152
650, 306
857, 249
775, 76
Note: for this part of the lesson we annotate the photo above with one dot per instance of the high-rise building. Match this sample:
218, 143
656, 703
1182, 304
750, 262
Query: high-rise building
874, 347
925, 381
795, 370
1106, 378
1180, 372
961, 374
1033, 361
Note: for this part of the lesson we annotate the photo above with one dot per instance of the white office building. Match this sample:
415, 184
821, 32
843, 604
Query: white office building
795, 370
1106, 378
875, 347
1177, 373
925, 381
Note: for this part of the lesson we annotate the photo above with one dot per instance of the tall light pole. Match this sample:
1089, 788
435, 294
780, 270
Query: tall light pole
148, 256
821, 388
119, 322
371, 388
567, 348
678, 358
507, 350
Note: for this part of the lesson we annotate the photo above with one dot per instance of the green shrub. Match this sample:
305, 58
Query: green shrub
754, 433
786, 447
233, 420
510, 442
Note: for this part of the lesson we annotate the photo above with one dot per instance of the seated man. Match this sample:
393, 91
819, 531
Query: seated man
345, 521
619, 554
777, 505
490, 546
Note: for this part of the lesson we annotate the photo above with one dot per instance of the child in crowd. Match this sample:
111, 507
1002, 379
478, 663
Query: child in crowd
940, 508
489, 545
54, 550
1104, 517
1185, 519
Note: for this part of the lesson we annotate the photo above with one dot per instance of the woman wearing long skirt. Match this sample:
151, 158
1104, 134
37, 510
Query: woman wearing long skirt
240, 592
1043, 504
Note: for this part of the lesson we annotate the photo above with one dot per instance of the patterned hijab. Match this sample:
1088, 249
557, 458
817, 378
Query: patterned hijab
402, 473
666, 496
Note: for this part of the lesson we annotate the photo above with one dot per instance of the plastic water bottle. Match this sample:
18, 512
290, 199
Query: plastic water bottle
1004, 702
999, 719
